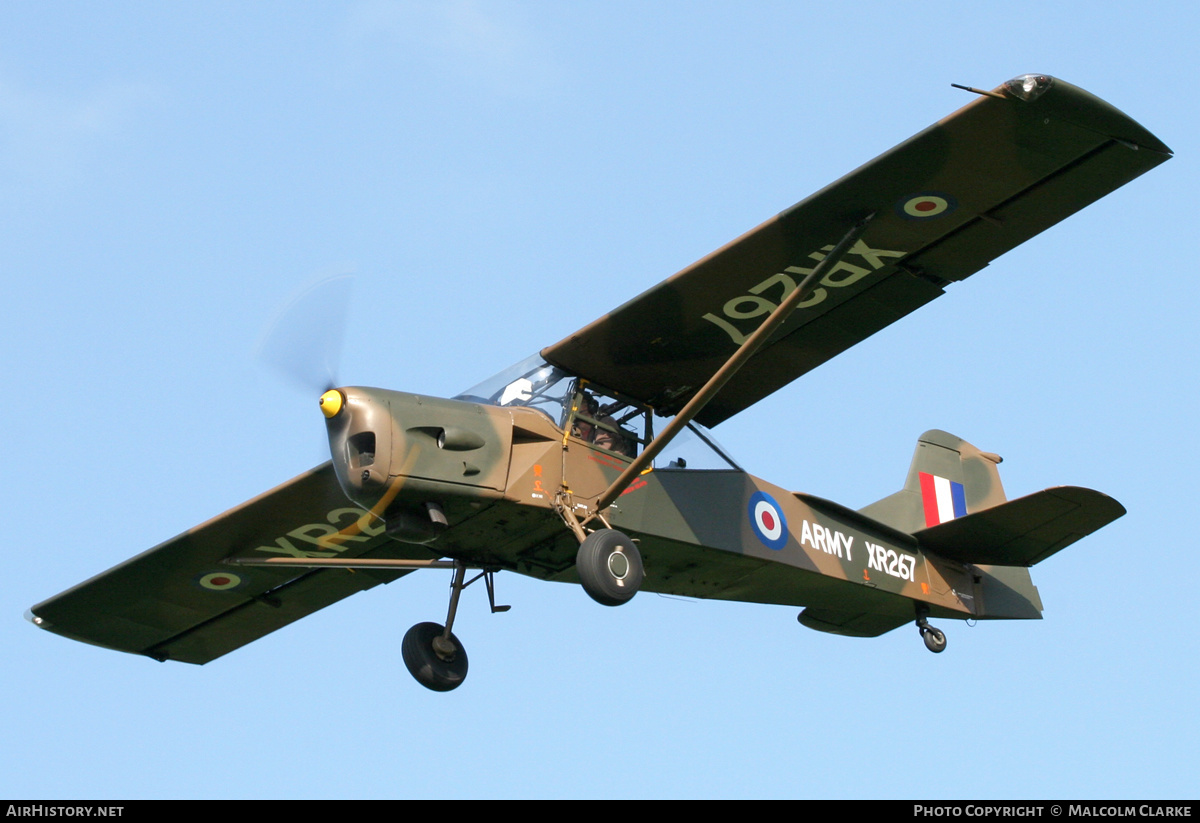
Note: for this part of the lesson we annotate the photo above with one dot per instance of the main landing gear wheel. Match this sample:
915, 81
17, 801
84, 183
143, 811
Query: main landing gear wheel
610, 567
935, 639
436, 663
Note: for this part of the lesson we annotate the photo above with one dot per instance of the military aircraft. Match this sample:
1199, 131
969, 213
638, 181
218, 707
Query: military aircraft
593, 462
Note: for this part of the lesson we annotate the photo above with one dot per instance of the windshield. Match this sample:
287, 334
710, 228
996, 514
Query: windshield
533, 382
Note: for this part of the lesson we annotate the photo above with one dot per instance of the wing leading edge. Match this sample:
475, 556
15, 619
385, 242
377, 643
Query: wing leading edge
179, 601
946, 202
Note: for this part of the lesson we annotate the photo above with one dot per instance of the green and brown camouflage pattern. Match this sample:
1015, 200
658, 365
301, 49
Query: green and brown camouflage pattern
420, 478
179, 601
854, 574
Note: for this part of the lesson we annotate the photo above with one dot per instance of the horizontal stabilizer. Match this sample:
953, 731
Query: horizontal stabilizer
1025, 531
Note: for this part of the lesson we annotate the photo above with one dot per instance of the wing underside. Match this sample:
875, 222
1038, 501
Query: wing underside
179, 601
945, 203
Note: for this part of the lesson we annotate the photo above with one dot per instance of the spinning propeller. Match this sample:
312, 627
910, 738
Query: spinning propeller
303, 343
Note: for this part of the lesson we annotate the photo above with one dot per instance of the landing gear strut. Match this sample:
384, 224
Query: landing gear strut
935, 639
432, 654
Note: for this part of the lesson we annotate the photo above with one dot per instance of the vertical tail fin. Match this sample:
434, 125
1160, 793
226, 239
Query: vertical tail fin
948, 478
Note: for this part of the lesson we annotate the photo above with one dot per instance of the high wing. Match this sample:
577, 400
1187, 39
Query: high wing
178, 601
1008, 165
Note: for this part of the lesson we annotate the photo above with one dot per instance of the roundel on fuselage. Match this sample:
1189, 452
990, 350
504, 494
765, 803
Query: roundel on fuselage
767, 520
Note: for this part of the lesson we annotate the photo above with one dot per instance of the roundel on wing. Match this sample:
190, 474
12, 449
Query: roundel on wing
219, 581
926, 205
767, 520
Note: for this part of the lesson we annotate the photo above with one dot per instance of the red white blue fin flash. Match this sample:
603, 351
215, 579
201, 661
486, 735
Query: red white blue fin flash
943, 499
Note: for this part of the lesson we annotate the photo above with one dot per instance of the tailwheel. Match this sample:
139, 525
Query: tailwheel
609, 566
434, 657
935, 639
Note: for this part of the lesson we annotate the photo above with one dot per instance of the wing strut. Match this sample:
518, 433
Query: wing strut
715, 383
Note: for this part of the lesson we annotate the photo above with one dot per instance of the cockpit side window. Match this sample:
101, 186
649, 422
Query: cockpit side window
609, 421
695, 449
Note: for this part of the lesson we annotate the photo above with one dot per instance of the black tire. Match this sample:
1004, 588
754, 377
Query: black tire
610, 567
426, 665
935, 640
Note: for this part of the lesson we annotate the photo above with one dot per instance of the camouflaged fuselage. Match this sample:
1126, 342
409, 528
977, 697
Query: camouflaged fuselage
721, 534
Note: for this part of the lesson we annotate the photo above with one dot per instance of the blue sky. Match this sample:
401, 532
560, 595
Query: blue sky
497, 175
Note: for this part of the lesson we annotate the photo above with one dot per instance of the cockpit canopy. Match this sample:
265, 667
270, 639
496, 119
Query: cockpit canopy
596, 415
